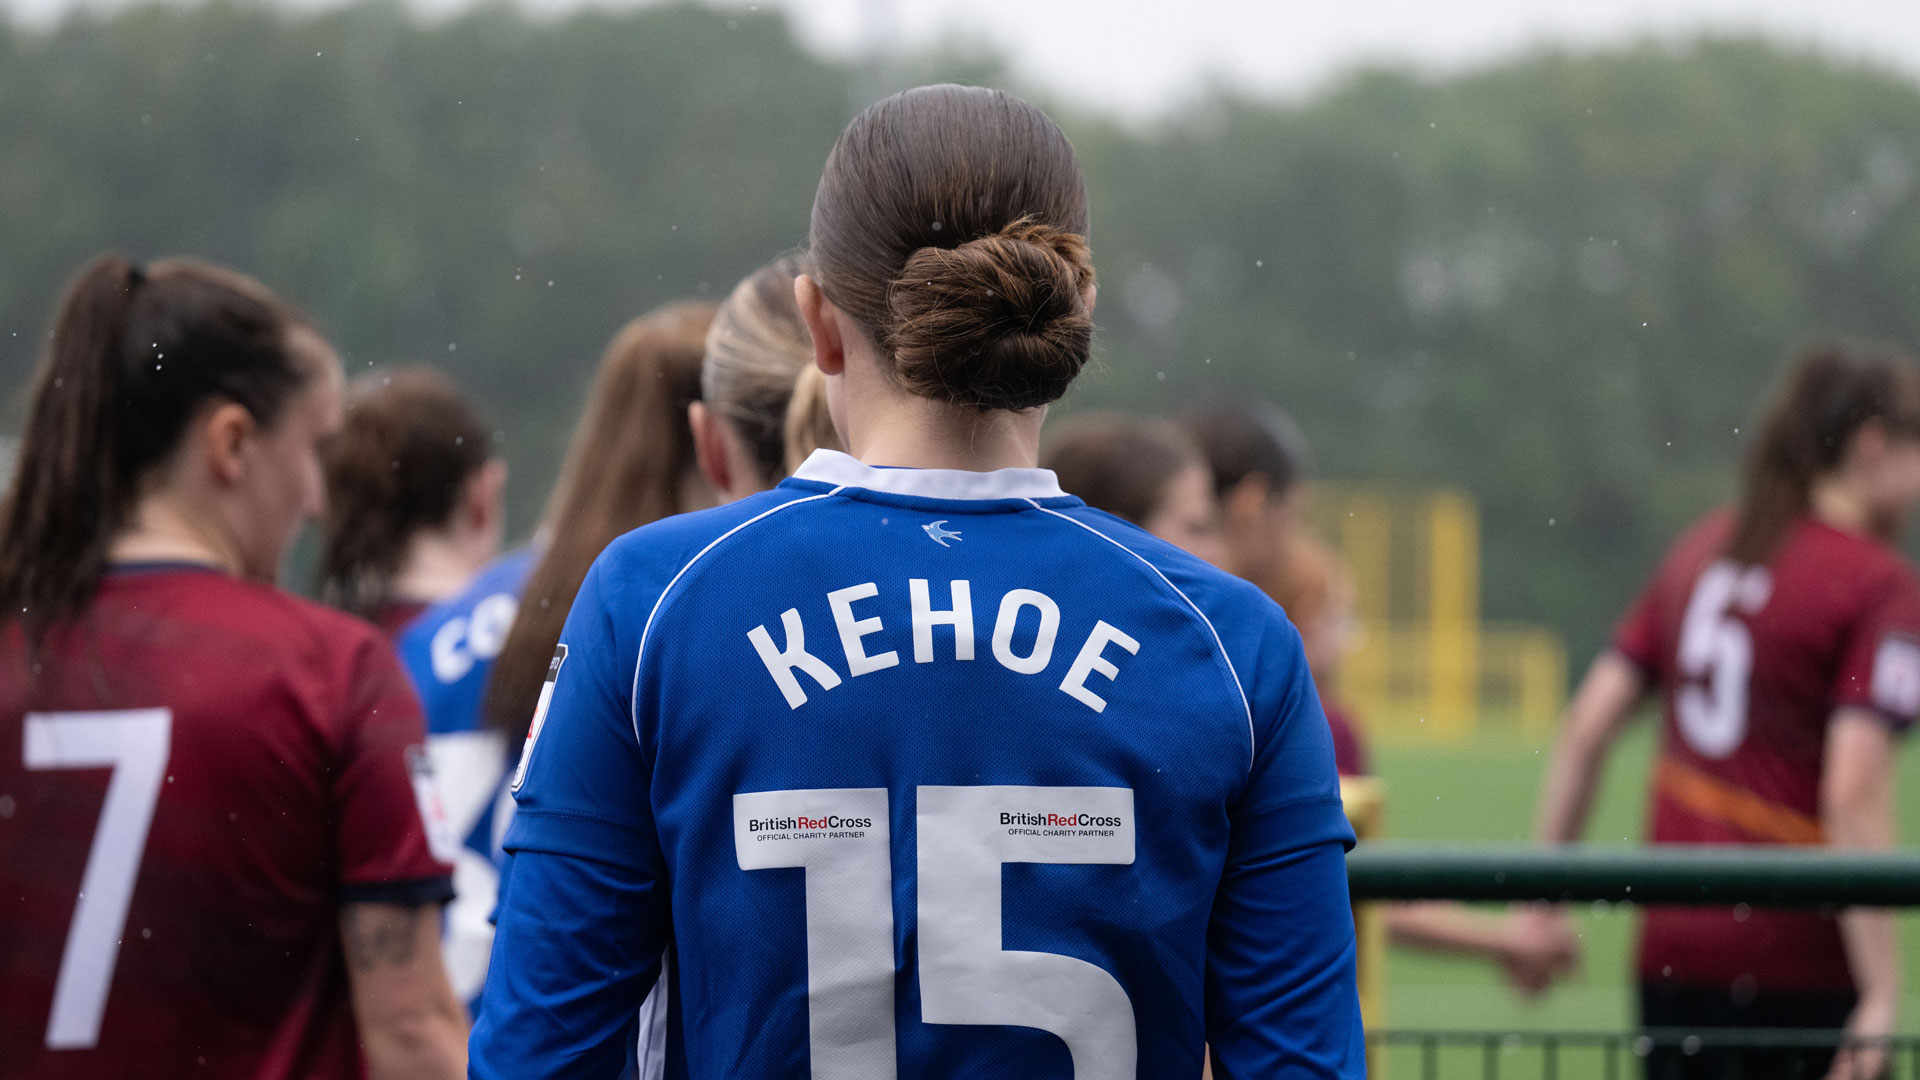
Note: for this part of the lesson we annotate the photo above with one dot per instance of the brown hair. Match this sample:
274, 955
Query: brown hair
1311, 573
757, 346
950, 223
1247, 438
409, 444
1829, 391
1121, 464
809, 426
629, 457
132, 357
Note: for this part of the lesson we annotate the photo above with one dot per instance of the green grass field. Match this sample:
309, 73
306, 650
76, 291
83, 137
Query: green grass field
1483, 792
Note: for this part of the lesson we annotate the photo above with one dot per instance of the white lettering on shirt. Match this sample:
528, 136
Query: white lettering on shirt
852, 630
781, 662
1036, 661
925, 618
1090, 660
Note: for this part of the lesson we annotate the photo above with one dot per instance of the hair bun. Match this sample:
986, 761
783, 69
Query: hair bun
1000, 322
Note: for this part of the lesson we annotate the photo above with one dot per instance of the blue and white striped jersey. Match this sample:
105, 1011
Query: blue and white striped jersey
448, 651
930, 774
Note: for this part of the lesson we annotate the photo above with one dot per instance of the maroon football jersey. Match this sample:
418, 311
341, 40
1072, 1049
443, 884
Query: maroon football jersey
392, 616
202, 772
1349, 749
1750, 663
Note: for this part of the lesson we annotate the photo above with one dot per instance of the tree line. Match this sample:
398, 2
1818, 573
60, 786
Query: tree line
1561, 282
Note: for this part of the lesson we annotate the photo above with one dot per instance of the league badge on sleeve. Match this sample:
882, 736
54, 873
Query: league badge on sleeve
1896, 677
539, 716
441, 839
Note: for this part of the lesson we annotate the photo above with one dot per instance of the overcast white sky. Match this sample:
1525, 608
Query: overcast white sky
1141, 57
1144, 57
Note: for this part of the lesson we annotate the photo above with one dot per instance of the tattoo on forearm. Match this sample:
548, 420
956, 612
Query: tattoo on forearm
378, 936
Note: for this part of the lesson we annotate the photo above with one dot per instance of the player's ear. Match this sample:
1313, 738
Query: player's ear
1283, 510
224, 438
823, 323
1244, 504
710, 448
1870, 443
484, 501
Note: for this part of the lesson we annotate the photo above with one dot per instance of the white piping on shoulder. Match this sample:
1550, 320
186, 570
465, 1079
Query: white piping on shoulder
1252, 739
633, 696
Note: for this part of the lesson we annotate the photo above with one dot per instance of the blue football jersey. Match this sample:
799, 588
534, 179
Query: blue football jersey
930, 774
448, 650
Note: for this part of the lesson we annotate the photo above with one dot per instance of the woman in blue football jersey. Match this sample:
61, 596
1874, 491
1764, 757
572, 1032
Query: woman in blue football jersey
915, 765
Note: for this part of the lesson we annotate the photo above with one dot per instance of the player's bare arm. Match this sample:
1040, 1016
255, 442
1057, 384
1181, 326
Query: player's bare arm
1600, 710
411, 1025
1857, 811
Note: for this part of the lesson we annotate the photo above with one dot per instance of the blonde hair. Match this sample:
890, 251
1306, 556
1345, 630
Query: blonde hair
757, 346
809, 427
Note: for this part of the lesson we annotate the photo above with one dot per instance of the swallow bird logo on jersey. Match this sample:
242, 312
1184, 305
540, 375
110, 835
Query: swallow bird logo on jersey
938, 534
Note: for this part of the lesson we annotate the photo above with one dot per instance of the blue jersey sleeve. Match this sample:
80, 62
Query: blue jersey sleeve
1280, 992
583, 908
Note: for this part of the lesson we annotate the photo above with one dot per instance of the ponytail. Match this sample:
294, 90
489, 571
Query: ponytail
1829, 392
131, 357
69, 494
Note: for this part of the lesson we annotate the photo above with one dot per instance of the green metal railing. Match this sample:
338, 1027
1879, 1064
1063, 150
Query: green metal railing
1678, 874
1580, 1055
1674, 874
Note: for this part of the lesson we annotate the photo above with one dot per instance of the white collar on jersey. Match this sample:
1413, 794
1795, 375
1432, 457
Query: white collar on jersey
842, 470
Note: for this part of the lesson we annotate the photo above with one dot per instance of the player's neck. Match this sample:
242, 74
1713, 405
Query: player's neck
1837, 503
994, 441
887, 427
163, 529
439, 564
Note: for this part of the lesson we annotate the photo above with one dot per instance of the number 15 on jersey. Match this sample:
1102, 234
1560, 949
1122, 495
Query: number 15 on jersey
964, 836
